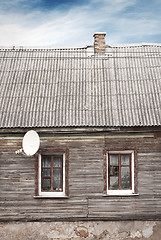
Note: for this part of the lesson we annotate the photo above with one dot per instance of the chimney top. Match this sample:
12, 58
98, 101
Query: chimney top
99, 33
99, 42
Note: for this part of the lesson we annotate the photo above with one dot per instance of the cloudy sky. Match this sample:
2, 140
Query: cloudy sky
63, 23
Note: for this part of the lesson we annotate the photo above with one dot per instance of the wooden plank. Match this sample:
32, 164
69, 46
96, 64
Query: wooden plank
86, 181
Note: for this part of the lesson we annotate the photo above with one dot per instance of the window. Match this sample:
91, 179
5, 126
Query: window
120, 172
52, 174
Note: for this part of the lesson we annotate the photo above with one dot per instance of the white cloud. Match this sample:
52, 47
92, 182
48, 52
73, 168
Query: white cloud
74, 27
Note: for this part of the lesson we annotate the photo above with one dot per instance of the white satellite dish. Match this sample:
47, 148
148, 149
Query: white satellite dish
31, 143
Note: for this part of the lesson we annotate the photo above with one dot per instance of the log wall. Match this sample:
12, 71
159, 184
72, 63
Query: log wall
86, 180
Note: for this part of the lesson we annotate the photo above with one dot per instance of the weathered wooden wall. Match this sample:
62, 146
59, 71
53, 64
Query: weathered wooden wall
86, 198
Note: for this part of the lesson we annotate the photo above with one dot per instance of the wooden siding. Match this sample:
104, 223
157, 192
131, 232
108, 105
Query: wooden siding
86, 180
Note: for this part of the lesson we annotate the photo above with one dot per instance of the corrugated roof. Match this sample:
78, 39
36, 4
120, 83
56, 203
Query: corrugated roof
74, 87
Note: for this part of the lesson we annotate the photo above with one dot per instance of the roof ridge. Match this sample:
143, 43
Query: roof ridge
136, 44
39, 48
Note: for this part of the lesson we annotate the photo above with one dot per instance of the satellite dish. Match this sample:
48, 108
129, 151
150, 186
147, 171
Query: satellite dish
30, 143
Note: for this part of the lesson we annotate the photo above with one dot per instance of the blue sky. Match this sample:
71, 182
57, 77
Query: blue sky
63, 23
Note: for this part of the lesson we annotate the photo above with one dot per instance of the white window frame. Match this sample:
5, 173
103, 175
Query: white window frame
122, 192
50, 194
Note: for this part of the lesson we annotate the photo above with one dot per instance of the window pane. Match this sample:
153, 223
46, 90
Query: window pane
114, 183
125, 177
57, 161
114, 170
46, 184
46, 162
46, 172
125, 159
114, 160
57, 180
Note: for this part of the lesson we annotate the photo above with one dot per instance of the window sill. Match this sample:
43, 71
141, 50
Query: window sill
121, 195
39, 197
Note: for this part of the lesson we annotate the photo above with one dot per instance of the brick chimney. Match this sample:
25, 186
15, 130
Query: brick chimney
99, 42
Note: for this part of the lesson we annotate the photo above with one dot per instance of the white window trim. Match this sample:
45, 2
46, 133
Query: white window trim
122, 192
50, 194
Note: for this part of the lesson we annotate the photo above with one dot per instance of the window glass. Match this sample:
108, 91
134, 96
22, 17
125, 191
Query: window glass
57, 180
46, 185
46, 172
46, 161
57, 161
114, 160
125, 177
114, 183
114, 170
125, 159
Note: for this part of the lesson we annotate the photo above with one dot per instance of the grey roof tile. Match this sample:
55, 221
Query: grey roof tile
69, 87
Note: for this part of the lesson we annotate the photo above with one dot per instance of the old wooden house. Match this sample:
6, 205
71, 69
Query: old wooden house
97, 110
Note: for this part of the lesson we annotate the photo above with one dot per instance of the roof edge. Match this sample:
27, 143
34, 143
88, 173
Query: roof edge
30, 48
